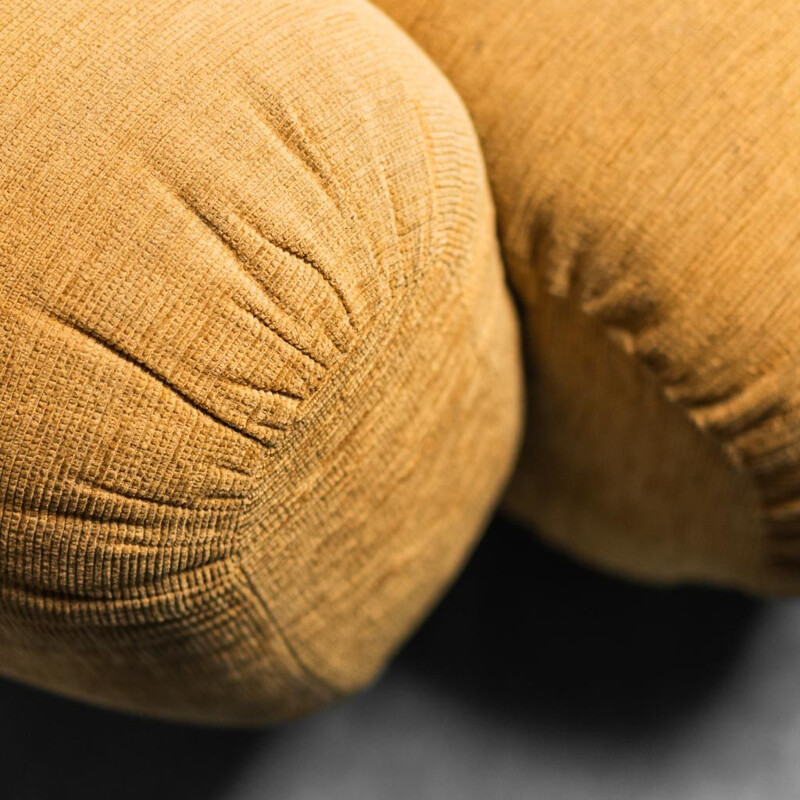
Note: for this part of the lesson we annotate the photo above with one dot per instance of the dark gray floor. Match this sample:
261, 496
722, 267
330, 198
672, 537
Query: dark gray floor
534, 679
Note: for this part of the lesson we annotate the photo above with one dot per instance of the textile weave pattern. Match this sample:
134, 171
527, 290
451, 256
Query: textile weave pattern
260, 383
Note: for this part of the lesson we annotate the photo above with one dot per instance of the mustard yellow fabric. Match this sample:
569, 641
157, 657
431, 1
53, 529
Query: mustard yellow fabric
259, 380
645, 163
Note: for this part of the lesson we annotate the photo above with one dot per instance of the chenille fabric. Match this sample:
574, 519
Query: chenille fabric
259, 382
645, 164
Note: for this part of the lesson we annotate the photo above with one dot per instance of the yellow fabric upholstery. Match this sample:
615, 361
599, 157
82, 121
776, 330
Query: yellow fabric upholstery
645, 163
259, 380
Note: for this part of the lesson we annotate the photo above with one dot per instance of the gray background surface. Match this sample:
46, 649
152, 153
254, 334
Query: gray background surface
535, 678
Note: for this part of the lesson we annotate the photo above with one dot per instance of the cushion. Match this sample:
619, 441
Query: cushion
259, 373
646, 172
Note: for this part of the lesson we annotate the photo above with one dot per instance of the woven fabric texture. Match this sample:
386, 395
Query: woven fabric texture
259, 372
646, 174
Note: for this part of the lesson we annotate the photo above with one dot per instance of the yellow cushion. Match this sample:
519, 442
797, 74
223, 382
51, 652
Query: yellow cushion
259, 382
645, 163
